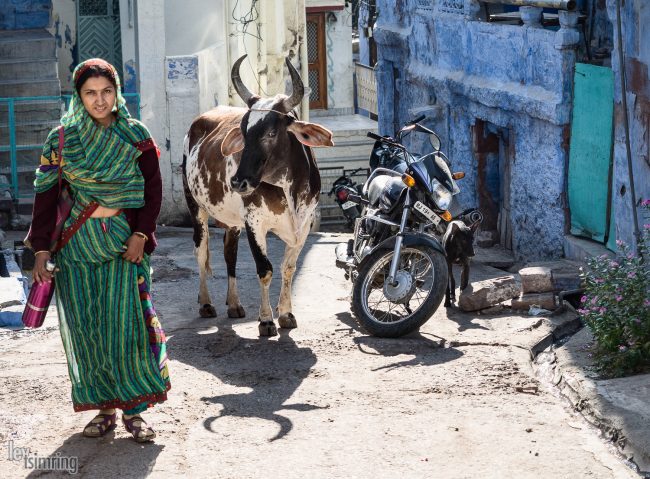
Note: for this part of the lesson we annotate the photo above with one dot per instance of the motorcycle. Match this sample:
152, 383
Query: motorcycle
395, 260
342, 187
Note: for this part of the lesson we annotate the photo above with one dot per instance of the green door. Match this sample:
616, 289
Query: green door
590, 155
98, 31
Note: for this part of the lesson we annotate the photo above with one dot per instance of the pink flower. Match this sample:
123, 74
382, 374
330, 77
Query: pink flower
619, 298
645, 203
647, 226
646, 303
613, 264
631, 274
622, 348
584, 312
619, 243
584, 299
594, 300
599, 280
603, 310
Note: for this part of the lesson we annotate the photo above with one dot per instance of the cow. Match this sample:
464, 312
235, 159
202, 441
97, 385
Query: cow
253, 168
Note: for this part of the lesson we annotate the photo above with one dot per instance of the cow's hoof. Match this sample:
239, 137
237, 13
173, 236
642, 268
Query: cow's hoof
267, 328
207, 311
236, 311
447, 304
288, 321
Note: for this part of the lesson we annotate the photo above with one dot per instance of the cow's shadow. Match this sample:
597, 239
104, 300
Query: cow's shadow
271, 369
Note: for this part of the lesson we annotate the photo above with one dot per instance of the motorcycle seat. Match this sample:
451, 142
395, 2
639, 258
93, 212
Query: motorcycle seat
384, 192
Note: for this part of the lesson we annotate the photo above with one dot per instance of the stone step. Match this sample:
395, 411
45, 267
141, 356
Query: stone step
28, 133
15, 44
356, 150
28, 69
33, 110
16, 88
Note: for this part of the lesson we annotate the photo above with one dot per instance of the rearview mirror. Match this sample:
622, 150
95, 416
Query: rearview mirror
435, 142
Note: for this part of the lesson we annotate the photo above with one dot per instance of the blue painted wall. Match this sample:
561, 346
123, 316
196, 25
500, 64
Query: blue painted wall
24, 14
438, 58
636, 48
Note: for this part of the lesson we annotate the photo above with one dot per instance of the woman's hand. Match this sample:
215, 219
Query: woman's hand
134, 249
39, 273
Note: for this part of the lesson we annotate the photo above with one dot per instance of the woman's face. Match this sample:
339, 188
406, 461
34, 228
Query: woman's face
98, 97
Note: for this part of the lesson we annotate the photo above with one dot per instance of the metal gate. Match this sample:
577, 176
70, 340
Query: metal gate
98, 31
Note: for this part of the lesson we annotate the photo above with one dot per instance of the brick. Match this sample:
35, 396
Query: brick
543, 300
485, 294
536, 279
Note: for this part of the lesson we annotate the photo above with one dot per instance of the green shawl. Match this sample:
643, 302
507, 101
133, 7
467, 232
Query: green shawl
99, 163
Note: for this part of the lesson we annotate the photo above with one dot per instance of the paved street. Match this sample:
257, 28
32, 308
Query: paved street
458, 400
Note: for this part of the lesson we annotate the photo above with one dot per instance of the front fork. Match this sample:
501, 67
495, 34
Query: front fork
400, 238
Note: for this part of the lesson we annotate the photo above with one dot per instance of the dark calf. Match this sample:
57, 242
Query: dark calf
458, 244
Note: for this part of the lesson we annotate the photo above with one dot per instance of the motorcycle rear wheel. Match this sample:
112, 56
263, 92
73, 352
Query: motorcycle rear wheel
393, 311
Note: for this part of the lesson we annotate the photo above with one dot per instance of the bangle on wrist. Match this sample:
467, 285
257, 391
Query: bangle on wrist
42, 251
141, 235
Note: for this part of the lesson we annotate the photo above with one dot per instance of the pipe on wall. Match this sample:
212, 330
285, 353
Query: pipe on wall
559, 4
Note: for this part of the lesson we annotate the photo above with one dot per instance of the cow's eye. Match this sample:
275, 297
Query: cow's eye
271, 134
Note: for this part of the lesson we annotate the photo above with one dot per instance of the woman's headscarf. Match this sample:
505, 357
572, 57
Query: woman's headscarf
100, 163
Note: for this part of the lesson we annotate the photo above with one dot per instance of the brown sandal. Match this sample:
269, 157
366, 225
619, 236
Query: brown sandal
134, 427
104, 423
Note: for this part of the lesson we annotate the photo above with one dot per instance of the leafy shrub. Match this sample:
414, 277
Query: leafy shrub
616, 307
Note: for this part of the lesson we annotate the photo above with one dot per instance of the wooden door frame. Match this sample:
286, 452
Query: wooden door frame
321, 64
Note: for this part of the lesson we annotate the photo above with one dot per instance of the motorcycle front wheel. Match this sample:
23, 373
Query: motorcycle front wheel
393, 310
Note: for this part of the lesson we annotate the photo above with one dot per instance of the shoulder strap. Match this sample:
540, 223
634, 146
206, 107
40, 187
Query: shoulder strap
60, 155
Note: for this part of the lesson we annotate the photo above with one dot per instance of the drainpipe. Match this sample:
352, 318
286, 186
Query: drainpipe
304, 60
628, 151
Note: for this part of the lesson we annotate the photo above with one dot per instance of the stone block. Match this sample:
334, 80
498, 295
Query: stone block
485, 294
536, 279
543, 300
567, 281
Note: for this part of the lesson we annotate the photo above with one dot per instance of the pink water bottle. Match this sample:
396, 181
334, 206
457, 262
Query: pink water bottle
39, 300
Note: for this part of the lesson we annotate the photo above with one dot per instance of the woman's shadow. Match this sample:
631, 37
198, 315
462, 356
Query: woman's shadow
102, 457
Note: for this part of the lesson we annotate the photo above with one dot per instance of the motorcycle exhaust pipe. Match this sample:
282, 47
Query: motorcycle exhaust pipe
569, 5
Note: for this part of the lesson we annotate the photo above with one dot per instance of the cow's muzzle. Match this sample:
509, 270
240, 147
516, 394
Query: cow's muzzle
242, 187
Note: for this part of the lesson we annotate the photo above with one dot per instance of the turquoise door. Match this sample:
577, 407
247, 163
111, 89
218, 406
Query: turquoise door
590, 155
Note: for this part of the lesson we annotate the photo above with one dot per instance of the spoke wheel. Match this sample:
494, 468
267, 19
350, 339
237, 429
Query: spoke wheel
392, 310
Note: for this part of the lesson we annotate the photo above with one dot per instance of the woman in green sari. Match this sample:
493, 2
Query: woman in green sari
114, 344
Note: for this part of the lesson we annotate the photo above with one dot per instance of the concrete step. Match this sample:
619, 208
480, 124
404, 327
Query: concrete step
16, 44
356, 149
28, 69
14, 88
30, 112
28, 133
580, 249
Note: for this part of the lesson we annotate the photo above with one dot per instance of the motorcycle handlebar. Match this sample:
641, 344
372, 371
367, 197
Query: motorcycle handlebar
417, 120
383, 139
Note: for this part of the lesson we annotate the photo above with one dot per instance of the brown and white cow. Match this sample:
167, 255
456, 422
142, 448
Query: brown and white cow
253, 168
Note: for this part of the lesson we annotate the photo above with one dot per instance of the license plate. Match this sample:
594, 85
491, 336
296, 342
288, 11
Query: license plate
348, 204
426, 211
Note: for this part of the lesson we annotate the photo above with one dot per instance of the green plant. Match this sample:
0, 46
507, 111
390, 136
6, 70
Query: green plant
616, 307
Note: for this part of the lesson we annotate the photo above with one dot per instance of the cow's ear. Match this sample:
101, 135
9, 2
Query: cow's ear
311, 134
233, 142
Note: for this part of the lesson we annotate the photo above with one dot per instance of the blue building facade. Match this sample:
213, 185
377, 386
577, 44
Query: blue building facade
500, 96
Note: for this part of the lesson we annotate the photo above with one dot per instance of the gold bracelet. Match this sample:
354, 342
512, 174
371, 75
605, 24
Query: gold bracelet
141, 235
42, 251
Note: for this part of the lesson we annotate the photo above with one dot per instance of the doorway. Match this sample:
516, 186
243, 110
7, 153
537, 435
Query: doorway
317, 61
98, 31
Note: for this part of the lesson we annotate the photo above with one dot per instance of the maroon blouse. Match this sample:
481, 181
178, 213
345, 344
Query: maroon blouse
140, 219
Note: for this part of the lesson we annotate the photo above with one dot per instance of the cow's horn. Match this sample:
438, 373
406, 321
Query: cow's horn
298, 90
241, 89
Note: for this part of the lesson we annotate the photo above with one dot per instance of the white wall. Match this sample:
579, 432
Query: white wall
338, 44
64, 29
193, 25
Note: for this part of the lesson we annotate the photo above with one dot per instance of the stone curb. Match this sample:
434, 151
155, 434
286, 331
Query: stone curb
586, 397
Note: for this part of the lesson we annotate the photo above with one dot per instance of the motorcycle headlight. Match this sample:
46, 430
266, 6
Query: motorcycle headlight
441, 195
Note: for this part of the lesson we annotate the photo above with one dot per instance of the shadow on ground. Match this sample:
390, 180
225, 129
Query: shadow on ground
112, 457
271, 369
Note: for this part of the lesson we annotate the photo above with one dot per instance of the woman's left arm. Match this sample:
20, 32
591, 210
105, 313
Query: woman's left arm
143, 220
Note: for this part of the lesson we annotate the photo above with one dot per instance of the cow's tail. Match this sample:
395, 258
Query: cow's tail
192, 205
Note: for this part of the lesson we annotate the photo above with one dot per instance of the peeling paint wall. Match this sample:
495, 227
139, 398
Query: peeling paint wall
25, 14
340, 69
64, 30
635, 16
440, 59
